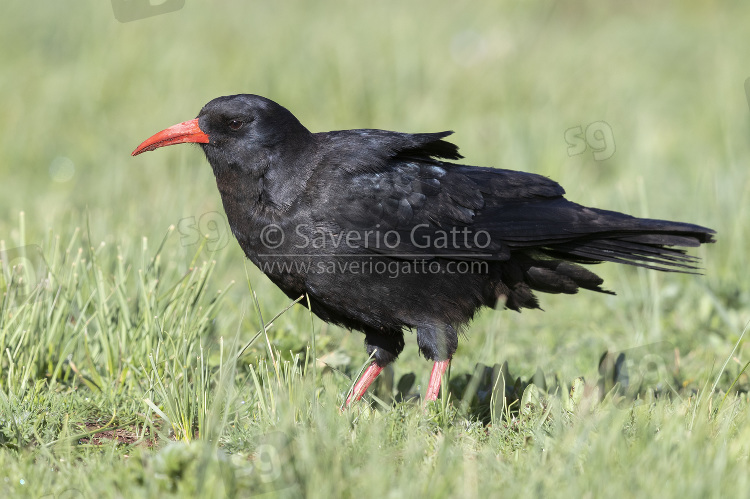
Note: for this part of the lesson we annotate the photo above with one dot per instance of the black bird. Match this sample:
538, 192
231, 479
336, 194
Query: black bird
384, 235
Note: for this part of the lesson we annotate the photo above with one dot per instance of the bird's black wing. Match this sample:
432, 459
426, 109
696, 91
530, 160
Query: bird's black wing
397, 187
394, 188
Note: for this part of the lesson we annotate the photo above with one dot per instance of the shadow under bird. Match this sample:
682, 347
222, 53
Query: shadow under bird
384, 235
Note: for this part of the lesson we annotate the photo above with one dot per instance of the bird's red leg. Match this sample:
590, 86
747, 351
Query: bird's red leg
436, 377
364, 382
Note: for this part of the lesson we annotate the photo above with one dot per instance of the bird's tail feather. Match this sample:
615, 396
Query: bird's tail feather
653, 246
554, 267
537, 271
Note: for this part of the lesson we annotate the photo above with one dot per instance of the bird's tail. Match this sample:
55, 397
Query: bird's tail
652, 244
554, 267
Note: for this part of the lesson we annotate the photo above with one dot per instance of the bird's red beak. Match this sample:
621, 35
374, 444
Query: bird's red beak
189, 131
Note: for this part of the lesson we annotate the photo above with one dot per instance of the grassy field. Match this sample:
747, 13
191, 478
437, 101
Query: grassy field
135, 361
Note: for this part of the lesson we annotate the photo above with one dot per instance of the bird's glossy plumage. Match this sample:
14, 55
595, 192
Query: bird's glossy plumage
331, 194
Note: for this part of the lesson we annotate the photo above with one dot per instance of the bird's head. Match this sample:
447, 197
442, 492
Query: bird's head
236, 131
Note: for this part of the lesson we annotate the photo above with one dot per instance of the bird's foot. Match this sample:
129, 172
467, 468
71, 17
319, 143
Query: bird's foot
364, 383
436, 377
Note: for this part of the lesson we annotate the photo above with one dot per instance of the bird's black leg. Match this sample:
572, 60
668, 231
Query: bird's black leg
437, 343
383, 348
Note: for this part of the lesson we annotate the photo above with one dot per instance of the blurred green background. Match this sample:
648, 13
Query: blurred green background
79, 90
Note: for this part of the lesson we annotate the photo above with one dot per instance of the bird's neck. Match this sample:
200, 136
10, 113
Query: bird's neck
261, 190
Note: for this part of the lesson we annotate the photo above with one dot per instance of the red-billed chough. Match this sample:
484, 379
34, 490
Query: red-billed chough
383, 235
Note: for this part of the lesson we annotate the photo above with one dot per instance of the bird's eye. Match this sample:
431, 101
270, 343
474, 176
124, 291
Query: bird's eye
236, 124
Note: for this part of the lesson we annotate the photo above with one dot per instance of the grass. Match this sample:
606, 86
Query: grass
138, 358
